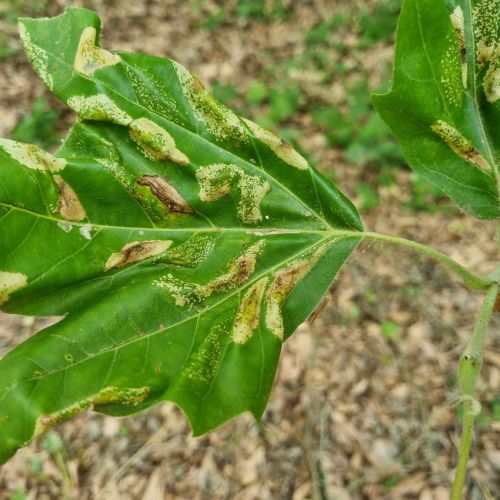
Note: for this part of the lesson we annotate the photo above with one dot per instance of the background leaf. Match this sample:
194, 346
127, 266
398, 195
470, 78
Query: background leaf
182, 243
444, 105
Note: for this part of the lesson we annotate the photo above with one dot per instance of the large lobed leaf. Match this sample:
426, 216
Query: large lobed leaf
181, 243
444, 106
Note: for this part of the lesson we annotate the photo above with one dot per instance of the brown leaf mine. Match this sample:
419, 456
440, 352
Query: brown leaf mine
136, 251
70, 207
166, 193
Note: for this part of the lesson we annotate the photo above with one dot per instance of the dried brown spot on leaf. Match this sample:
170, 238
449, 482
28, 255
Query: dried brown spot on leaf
166, 193
248, 317
460, 145
10, 282
137, 251
70, 207
89, 57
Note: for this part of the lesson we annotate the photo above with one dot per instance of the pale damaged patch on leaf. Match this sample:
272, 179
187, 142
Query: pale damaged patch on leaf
37, 57
460, 145
32, 156
485, 18
155, 142
283, 283
137, 251
86, 231
166, 193
192, 252
9, 283
202, 364
89, 57
239, 271
219, 120
280, 147
216, 181
457, 20
109, 395
98, 107
70, 207
491, 83
248, 317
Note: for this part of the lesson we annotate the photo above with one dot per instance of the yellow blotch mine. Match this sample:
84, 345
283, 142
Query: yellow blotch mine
457, 20
239, 271
10, 282
32, 156
155, 142
70, 207
109, 395
191, 252
283, 283
37, 57
459, 144
491, 83
248, 317
136, 251
280, 147
98, 107
216, 181
485, 15
89, 57
202, 364
219, 120
166, 193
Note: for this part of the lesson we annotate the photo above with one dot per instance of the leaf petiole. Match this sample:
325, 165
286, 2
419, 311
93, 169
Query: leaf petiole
470, 279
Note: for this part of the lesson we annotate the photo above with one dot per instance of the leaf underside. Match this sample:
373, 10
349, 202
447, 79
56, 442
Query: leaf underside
181, 243
444, 106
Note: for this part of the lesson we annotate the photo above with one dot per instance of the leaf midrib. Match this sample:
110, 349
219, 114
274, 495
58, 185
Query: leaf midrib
252, 230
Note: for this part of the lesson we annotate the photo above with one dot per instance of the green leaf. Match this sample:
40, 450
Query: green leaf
444, 106
181, 243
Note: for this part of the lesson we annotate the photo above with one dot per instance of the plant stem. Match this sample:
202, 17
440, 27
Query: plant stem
471, 361
470, 279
